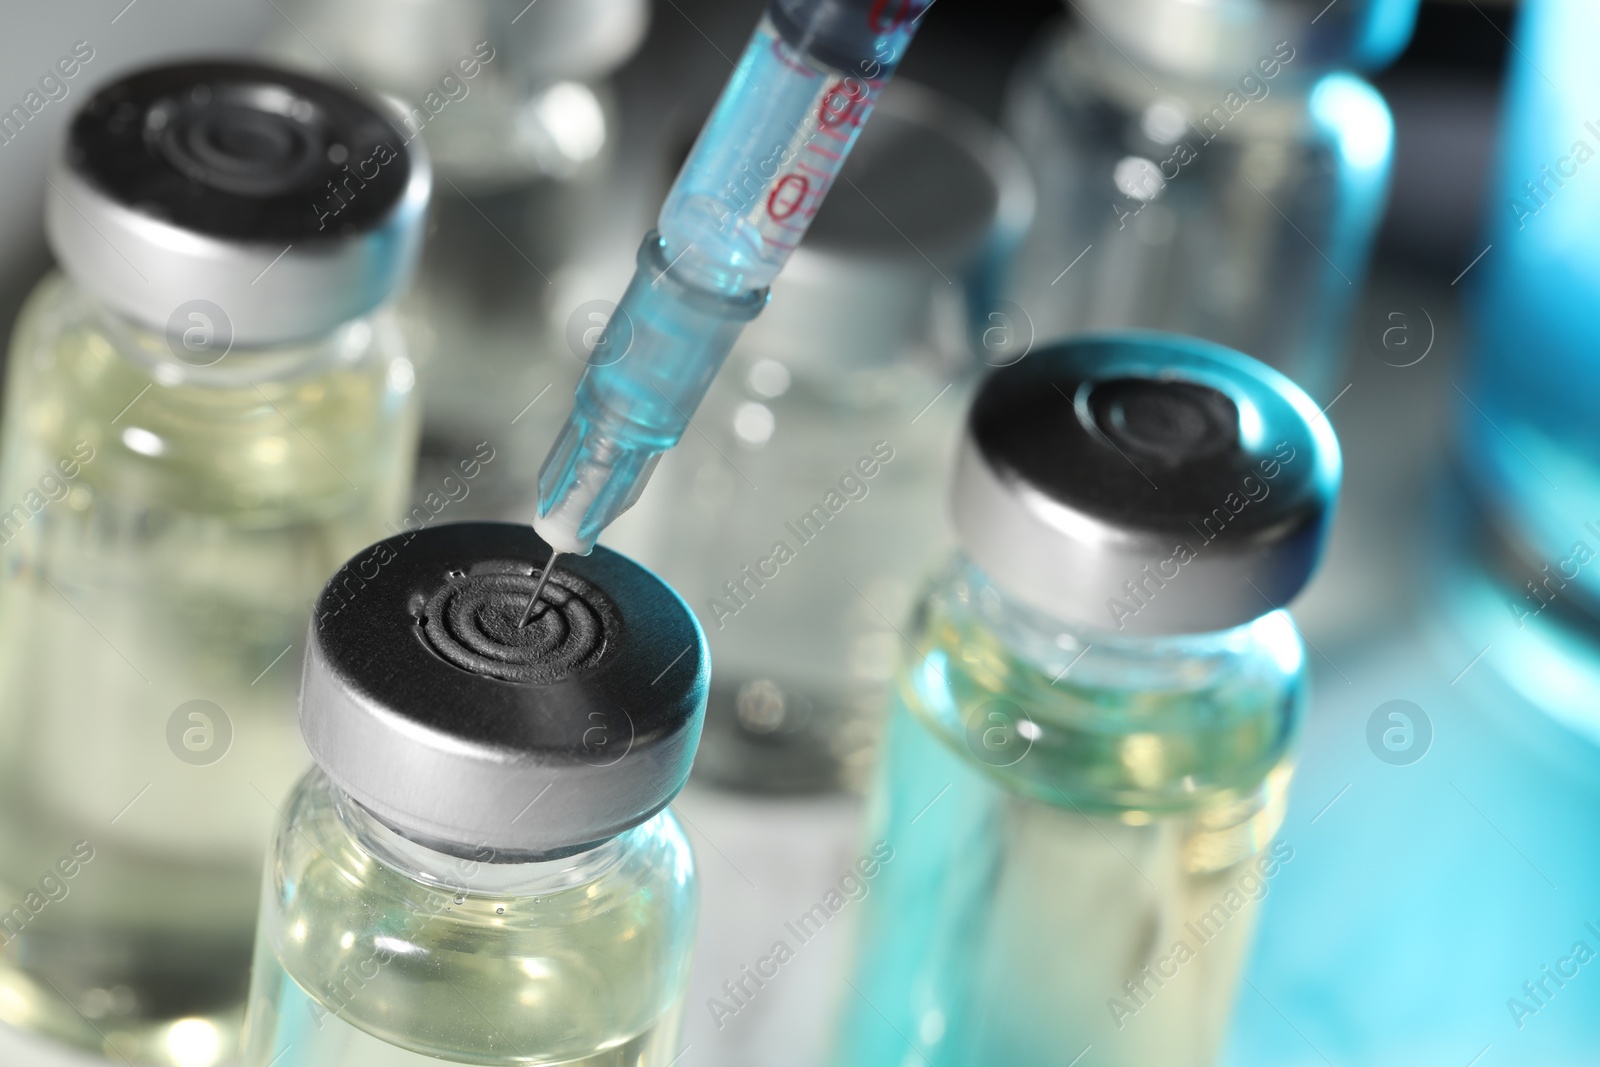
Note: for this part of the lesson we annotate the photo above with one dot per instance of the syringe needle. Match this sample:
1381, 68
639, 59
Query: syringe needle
533, 604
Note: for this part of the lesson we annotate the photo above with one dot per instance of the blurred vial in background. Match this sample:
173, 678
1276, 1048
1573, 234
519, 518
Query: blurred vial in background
1212, 168
481, 869
513, 104
815, 506
204, 416
1529, 451
1091, 735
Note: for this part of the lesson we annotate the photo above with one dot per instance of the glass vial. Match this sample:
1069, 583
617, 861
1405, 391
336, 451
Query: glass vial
1211, 169
481, 869
521, 121
821, 449
1091, 739
205, 413
1528, 454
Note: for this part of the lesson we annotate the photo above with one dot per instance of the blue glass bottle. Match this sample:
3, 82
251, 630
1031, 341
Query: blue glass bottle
1529, 438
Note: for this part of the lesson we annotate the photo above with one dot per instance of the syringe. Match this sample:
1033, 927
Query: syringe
766, 157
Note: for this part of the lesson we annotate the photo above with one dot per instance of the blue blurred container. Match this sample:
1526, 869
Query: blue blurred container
1444, 906
1209, 167
1529, 429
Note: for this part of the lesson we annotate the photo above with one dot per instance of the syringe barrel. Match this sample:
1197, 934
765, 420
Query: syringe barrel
662, 348
778, 136
753, 182
847, 35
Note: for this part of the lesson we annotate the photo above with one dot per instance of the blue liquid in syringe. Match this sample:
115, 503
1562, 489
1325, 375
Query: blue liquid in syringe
747, 193
763, 163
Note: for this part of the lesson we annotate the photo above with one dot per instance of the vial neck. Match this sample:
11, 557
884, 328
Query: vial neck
1181, 39
1185, 726
1267, 70
1060, 648
196, 350
473, 868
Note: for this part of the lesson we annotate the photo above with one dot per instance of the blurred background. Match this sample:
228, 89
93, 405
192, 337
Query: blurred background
1429, 884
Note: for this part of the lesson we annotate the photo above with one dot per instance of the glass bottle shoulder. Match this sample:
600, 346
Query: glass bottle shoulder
565, 956
1096, 721
197, 423
1074, 86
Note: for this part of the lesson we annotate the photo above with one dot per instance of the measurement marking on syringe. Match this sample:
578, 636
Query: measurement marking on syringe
797, 67
781, 202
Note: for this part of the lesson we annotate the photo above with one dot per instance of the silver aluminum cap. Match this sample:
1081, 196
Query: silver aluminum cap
1145, 483
1228, 38
272, 204
425, 701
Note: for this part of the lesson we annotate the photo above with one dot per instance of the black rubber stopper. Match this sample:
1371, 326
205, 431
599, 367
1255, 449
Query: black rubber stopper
472, 621
242, 151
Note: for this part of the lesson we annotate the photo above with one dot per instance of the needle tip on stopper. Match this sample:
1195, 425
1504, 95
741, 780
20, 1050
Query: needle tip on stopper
533, 602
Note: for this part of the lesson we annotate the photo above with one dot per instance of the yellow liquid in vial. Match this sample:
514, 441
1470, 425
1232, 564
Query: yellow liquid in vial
164, 528
340, 1044
584, 962
1079, 855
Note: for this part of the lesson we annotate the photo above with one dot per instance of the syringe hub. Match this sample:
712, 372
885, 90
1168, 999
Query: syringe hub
592, 479
670, 338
